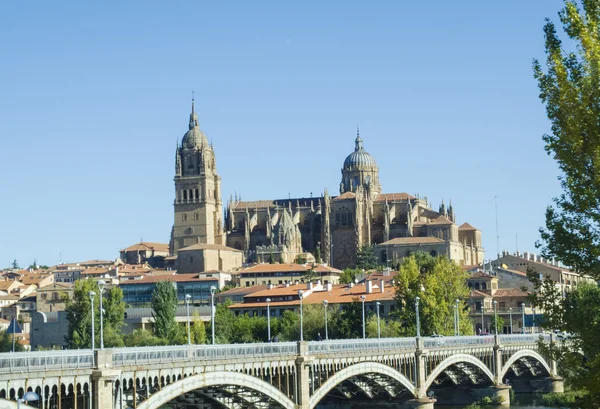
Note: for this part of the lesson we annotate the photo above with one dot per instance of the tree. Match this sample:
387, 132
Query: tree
6, 343
347, 323
114, 308
389, 328
164, 305
349, 275
318, 254
366, 258
500, 324
142, 337
197, 330
15, 264
570, 89
438, 282
310, 274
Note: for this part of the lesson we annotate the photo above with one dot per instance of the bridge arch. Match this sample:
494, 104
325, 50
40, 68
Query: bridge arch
193, 382
457, 359
358, 369
521, 354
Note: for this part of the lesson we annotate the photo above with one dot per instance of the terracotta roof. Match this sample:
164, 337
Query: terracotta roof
412, 240
54, 286
378, 275
382, 197
32, 278
442, 220
243, 290
204, 246
466, 226
481, 274
345, 196
96, 262
517, 272
479, 294
96, 270
510, 292
339, 294
6, 284
272, 268
144, 245
176, 278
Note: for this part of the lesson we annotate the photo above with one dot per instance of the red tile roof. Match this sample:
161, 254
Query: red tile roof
345, 196
144, 245
466, 226
509, 292
177, 278
412, 240
382, 197
442, 220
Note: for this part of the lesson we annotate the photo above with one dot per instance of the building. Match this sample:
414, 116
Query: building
205, 257
283, 229
264, 274
53, 297
138, 292
286, 297
145, 252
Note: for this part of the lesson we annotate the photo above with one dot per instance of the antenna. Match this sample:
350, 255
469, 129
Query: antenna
497, 234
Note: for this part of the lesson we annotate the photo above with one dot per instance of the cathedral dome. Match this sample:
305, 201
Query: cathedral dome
194, 138
359, 158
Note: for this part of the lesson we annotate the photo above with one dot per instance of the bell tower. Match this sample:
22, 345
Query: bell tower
198, 204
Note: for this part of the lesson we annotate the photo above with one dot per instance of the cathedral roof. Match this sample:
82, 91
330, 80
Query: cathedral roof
466, 226
382, 197
442, 220
413, 240
359, 158
345, 196
194, 138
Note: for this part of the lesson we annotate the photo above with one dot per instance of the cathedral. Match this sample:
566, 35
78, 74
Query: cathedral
332, 227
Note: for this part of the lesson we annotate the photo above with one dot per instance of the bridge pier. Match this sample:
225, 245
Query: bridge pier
421, 381
103, 379
421, 403
556, 384
302, 377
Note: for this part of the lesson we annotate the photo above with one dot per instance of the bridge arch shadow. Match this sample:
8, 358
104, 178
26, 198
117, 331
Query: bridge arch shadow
524, 353
203, 380
359, 369
458, 359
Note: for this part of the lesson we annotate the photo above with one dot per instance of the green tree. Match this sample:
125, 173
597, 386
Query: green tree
570, 89
197, 330
347, 322
15, 264
114, 308
164, 306
142, 337
318, 254
389, 328
6, 343
366, 258
310, 274
438, 282
349, 275
500, 324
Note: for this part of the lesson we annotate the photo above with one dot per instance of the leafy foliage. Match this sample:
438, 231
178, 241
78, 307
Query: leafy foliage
164, 304
438, 282
142, 337
349, 275
197, 330
6, 343
366, 258
570, 89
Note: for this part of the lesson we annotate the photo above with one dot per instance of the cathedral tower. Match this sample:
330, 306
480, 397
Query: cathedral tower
198, 204
360, 169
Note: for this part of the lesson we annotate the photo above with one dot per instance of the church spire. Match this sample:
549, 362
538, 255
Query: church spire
193, 116
358, 141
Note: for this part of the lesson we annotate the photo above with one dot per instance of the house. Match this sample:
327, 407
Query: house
139, 291
145, 252
278, 274
53, 297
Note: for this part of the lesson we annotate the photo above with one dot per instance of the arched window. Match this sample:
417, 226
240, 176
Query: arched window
368, 179
483, 286
477, 286
356, 181
185, 195
433, 253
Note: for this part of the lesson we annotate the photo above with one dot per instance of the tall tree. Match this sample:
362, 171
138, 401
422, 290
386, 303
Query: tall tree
438, 282
164, 304
366, 258
79, 314
570, 89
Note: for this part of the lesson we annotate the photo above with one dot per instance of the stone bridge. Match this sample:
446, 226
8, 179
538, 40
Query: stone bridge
286, 375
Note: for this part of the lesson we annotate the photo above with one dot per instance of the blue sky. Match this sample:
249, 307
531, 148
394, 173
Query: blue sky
95, 96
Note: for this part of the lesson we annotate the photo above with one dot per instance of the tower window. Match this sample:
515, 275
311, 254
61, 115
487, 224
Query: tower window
196, 194
185, 195
196, 216
184, 217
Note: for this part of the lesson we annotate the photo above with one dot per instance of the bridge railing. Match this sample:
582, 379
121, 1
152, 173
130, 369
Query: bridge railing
353, 345
46, 360
524, 338
147, 355
441, 342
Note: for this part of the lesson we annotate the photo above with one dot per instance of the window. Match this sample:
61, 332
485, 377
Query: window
184, 217
196, 216
185, 195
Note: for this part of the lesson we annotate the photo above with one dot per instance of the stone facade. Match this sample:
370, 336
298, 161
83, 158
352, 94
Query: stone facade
338, 226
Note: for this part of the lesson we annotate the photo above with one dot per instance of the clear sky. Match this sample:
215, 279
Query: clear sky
95, 96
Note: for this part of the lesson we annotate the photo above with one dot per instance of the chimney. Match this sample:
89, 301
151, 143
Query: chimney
386, 271
296, 282
526, 256
532, 256
270, 286
351, 285
382, 286
329, 286
287, 284
369, 285
309, 285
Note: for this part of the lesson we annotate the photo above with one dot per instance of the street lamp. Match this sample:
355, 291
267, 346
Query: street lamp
533, 320
362, 299
92, 295
377, 304
300, 293
523, 317
510, 314
213, 289
268, 320
27, 397
418, 321
101, 285
187, 310
325, 308
495, 317
457, 318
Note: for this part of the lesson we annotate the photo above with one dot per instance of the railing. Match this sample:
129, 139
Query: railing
524, 338
443, 342
355, 345
45, 360
154, 355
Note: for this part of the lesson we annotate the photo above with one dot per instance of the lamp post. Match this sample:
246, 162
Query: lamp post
533, 320
101, 285
187, 310
213, 289
418, 321
27, 397
268, 300
523, 317
454, 311
495, 317
362, 299
377, 304
325, 309
300, 293
510, 314
92, 295
457, 317
482, 316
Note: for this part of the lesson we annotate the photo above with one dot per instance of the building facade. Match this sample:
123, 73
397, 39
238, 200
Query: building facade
334, 226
